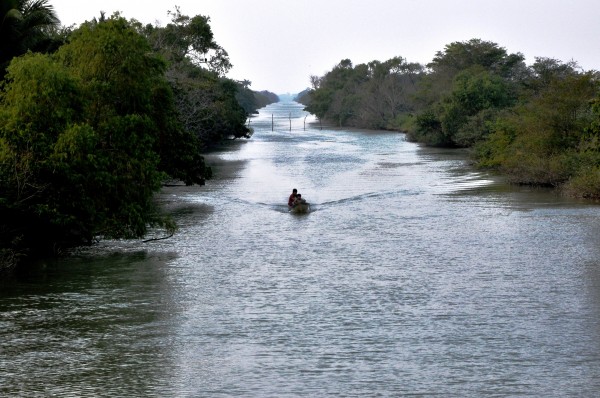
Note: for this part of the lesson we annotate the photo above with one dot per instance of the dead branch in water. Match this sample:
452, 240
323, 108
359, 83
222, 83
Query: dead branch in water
153, 239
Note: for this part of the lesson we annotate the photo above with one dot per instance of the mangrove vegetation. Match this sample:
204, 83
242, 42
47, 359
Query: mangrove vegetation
538, 124
95, 119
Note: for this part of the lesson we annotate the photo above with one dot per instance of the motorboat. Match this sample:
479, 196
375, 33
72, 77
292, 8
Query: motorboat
300, 208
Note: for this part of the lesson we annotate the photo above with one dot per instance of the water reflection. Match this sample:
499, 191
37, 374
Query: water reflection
86, 326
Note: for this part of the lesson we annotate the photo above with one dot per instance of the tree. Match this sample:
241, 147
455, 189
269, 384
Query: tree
24, 25
79, 134
374, 95
205, 100
250, 100
474, 101
550, 137
137, 85
468, 84
388, 92
337, 96
41, 102
460, 56
543, 72
188, 39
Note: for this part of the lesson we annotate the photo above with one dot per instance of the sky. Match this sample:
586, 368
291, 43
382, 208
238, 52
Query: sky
279, 44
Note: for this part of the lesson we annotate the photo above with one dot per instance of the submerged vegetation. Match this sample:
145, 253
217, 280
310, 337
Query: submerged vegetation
539, 124
94, 119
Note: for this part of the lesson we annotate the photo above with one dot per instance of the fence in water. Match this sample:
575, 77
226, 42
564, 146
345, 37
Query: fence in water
289, 116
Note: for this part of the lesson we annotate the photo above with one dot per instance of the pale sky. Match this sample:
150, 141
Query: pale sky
278, 44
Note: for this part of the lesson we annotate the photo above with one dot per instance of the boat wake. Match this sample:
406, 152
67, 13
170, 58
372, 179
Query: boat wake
369, 196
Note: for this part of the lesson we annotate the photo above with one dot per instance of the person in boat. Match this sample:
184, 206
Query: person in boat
292, 197
299, 200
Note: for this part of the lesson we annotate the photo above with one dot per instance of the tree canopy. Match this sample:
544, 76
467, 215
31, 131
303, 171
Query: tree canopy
89, 132
370, 95
25, 25
78, 132
205, 100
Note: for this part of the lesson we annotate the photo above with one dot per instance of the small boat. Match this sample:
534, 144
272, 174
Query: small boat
300, 208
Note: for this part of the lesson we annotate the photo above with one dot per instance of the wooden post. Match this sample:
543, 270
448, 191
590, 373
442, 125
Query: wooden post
290, 121
272, 125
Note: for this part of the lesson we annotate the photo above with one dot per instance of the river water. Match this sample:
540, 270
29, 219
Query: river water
413, 274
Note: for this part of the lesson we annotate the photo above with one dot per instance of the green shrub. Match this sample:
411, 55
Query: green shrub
586, 184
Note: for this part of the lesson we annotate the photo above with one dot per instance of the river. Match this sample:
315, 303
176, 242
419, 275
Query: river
414, 274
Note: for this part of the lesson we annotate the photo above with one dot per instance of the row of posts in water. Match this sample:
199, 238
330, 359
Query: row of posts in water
273, 122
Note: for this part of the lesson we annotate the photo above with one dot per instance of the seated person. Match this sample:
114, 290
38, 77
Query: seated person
292, 197
299, 200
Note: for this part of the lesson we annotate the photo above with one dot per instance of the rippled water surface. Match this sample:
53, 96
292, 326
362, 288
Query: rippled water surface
412, 275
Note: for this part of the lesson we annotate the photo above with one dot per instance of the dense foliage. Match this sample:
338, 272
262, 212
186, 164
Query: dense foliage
250, 100
370, 95
551, 136
209, 105
78, 137
89, 132
25, 25
539, 124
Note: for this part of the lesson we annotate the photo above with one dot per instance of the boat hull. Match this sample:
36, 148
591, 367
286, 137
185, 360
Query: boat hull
300, 208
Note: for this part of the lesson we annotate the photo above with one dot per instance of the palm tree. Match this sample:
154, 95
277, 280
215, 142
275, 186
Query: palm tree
24, 25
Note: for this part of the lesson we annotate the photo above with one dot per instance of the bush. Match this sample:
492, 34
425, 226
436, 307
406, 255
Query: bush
586, 184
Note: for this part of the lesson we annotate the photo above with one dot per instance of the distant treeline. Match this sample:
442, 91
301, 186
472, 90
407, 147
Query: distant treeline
539, 124
251, 101
95, 119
